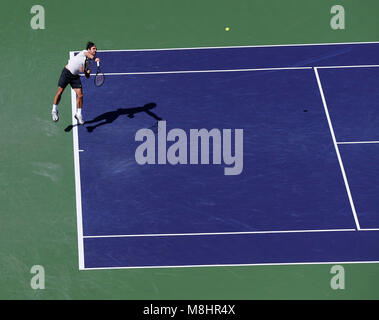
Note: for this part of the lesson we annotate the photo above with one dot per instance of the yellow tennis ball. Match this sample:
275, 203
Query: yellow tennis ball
227, 29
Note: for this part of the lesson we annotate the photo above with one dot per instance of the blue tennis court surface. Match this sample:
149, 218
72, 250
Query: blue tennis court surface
296, 127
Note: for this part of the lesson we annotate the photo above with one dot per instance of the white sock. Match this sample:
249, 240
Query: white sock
79, 111
55, 107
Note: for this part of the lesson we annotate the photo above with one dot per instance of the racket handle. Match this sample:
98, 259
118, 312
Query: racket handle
98, 63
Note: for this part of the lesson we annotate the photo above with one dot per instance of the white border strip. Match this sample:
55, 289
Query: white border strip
337, 150
346, 67
204, 71
238, 47
234, 265
214, 233
230, 70
198, 71
79, 217
357, 142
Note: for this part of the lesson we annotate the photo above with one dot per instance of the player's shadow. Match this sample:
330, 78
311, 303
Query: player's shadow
111, 116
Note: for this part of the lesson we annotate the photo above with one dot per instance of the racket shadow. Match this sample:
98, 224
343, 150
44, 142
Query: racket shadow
70, 127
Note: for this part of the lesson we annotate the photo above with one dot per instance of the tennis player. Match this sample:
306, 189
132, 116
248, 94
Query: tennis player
70, 75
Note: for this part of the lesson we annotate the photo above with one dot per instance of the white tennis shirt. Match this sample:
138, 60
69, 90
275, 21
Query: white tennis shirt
76, 63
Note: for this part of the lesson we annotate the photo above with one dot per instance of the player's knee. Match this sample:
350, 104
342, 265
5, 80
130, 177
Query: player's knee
80, 95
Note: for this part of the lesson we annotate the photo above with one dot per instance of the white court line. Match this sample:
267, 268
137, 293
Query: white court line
79, 219
240, 47
355, 66
215, 233
229, 70
337, 150
235, 265
199, 71
357, 142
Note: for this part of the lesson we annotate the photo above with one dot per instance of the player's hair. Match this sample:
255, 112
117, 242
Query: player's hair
89, 45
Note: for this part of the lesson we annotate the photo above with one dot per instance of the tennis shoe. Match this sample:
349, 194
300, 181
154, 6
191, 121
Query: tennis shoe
54, 115
79, 118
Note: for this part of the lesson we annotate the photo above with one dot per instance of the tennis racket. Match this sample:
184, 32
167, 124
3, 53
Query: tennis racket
99, 78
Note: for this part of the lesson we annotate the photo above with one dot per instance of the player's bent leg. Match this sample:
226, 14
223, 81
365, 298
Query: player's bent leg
79, 104
58, 95
79, 97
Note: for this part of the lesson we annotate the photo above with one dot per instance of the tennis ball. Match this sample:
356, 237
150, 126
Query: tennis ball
227, 29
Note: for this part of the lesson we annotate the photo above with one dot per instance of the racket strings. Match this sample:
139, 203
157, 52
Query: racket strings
99, 79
